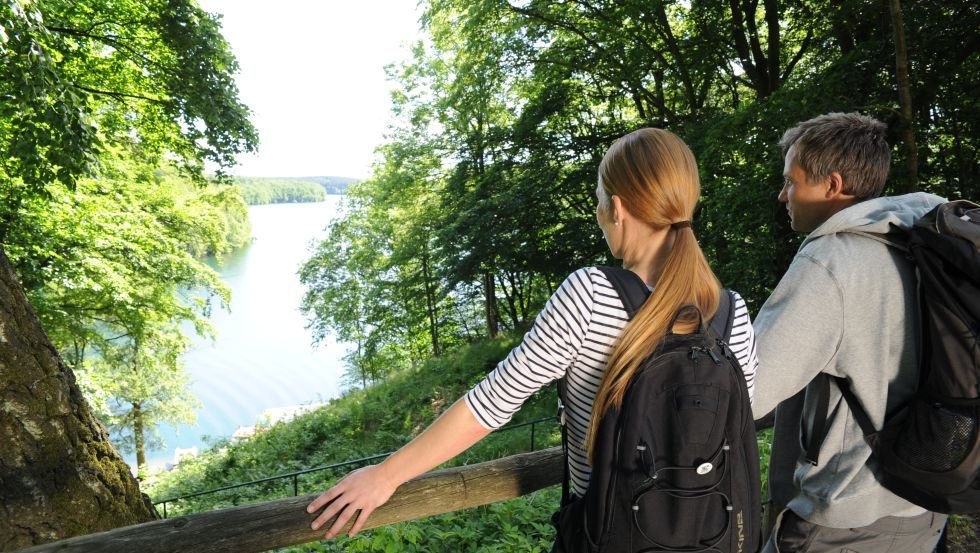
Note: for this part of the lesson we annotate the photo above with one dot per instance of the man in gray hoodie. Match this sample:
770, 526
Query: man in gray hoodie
846, 307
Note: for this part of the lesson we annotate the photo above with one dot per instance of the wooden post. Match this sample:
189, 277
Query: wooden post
285, 522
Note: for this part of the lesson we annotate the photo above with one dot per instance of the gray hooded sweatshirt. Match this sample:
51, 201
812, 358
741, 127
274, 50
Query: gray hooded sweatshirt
845, 307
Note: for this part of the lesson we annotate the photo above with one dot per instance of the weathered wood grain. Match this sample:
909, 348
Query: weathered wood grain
284, 522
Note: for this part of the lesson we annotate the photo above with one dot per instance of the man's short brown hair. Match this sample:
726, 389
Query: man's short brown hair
850, 144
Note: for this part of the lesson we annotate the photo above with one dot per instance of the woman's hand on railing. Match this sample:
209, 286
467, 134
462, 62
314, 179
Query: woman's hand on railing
360, 492
364, 490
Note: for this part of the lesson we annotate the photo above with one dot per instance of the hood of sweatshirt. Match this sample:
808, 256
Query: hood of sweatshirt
877, 214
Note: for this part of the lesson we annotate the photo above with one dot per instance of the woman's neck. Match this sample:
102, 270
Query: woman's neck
647, 252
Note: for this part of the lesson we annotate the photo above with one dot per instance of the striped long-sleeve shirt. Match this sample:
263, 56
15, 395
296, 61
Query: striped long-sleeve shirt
572, 337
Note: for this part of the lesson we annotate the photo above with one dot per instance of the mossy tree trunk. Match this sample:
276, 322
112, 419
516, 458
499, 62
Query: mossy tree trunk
59, 474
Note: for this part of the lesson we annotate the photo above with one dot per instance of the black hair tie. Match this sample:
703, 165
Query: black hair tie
680, 224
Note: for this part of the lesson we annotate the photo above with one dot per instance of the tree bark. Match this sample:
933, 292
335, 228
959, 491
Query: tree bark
139, 438
431, 301
59, 474
904, 95
490, 304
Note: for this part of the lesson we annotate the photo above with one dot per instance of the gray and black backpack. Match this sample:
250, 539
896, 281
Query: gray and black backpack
676, 467
929, 451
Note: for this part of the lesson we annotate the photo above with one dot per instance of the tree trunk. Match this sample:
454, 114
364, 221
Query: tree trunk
904, 95
490, 304
139, 438
431, 301
59, 475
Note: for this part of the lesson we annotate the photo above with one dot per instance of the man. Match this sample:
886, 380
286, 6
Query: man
845, 307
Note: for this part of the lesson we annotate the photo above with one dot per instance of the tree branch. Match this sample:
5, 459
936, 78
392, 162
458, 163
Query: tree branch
804, 46
599, 48
742, 45
110, 40
119, 95
773, 39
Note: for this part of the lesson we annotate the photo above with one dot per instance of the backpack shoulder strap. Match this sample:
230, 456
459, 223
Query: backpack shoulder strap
896, 237
860, 415
818, 428
629, 286
633, 292
724, 317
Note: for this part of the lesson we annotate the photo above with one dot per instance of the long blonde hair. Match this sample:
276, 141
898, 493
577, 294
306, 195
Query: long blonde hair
656, 177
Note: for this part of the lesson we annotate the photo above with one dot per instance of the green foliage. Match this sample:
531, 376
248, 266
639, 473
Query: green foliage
140, 384
108, 266
332, 185
506, 108
373, 281
46, 130
96, 97
380, 418
363, 422
81, 75
260, 190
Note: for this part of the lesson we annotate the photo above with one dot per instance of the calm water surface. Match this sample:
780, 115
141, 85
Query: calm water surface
262, 357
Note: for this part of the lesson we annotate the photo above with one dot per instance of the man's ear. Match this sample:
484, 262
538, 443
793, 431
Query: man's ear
835, 187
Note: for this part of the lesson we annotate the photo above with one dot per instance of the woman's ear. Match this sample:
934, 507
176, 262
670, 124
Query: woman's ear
618, 210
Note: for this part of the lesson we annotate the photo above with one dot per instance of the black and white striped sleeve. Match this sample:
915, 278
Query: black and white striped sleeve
543, 356
742, 343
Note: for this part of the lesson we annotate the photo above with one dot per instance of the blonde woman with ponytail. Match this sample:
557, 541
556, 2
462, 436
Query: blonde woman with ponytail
647, 191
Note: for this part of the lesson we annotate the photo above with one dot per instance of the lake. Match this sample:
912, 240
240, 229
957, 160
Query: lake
262, 357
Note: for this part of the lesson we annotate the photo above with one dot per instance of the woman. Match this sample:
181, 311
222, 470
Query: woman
648, 189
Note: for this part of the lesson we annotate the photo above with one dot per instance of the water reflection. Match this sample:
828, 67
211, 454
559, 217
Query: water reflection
262, 357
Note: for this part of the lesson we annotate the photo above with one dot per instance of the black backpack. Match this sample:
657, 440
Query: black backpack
929, 451
676, 467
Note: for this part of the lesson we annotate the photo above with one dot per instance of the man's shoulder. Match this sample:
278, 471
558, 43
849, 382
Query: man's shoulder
845, 246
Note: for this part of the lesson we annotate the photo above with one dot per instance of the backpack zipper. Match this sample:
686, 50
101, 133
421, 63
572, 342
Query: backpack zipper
607, 519
711, 353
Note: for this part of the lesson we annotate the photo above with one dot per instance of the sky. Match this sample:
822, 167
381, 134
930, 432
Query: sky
312, 72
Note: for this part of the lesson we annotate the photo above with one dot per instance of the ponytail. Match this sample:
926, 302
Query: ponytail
686, 279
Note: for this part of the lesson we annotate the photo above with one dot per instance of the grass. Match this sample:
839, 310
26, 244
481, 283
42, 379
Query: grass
382, 418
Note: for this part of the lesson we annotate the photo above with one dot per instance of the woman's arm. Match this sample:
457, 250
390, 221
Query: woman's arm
544, 355
365, 489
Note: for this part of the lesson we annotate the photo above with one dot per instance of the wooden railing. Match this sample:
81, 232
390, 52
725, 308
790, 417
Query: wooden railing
293, 477
284, 522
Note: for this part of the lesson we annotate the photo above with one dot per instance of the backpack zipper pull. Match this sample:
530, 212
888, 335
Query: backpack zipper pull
709, 351
725, 350
646, 459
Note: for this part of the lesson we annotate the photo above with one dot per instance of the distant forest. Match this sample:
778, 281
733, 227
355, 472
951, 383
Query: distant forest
275, 190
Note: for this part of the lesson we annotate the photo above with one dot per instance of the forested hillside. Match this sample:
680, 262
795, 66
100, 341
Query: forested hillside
275, 190
483, 198
333, 185
375, 420
268, 190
